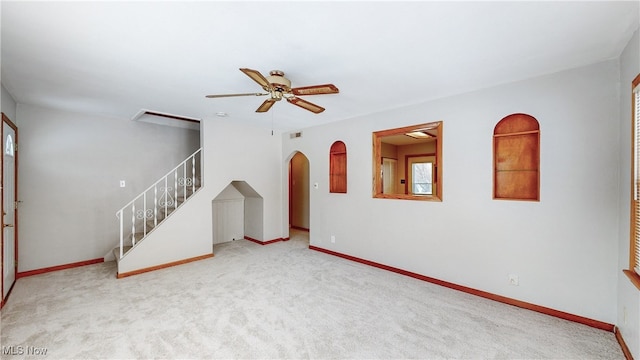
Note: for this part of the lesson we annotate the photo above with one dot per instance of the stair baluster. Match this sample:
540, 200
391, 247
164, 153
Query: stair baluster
164, 203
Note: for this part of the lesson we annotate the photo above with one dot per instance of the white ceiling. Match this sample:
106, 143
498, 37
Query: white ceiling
116, 58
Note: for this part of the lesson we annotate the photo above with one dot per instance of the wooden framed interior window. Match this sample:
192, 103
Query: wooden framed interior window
338, 168
634, 253
407, 162
516, 158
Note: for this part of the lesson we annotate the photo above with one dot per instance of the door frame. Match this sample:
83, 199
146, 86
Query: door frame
291, 194
8, 121
393, 174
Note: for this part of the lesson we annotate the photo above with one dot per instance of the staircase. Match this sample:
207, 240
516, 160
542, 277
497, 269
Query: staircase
152, 207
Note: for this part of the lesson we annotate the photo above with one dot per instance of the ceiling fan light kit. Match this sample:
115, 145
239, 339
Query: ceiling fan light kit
278, 87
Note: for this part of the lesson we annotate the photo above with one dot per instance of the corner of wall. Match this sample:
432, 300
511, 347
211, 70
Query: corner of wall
7, 104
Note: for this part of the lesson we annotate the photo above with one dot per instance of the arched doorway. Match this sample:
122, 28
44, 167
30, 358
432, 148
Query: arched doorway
299, 193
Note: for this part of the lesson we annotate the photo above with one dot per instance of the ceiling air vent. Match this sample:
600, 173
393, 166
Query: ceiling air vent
295, 135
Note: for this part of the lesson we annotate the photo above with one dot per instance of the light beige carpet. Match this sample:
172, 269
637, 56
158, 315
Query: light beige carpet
277, 301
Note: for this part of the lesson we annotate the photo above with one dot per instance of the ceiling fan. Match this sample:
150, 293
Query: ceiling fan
278, 87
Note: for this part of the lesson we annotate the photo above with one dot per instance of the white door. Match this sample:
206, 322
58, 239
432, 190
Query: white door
9, 211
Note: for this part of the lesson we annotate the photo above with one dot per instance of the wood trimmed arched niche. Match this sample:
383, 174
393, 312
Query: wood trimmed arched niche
338, 168
516, 158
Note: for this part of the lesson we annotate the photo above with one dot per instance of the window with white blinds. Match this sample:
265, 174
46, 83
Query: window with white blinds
635, 211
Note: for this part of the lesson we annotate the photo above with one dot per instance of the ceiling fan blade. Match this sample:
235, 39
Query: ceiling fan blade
257, 77
305, 105
232, 95
266, 105
315, 90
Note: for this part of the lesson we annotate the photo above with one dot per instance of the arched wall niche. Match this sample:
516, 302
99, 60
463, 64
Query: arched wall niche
338, 168
516, 158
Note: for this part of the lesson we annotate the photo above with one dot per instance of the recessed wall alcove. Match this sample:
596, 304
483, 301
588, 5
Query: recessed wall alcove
516, 158
237, 213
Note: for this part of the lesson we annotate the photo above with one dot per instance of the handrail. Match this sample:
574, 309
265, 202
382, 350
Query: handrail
167, 202
161, 178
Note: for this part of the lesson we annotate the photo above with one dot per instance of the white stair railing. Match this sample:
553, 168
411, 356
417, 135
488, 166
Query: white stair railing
144, 213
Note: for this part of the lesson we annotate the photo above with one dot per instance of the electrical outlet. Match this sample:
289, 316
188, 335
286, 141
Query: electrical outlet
122, 183
513, 280
333, 239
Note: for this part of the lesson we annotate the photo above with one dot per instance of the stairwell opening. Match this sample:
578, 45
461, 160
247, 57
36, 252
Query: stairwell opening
237, 213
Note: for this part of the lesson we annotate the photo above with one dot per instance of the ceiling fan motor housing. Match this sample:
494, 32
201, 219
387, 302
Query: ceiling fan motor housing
278, 81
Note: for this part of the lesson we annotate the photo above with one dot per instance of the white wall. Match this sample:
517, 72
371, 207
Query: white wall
564, 248
628, 295
253, 212
232, 153
8, 105
244, 153
70, 166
